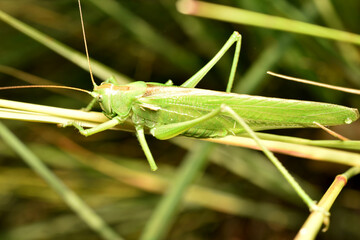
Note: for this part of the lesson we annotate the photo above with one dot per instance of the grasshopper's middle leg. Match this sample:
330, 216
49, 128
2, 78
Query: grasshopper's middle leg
112, 123
196, 78
145, 147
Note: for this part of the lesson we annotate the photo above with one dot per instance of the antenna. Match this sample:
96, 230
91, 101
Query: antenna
45, 86
86, 48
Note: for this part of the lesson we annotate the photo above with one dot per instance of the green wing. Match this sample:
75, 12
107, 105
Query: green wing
163, 105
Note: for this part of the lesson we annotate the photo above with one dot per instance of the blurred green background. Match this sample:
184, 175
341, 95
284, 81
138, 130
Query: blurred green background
151, 41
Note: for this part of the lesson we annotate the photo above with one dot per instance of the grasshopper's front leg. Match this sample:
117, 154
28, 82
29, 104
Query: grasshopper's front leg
112, 123
101, 127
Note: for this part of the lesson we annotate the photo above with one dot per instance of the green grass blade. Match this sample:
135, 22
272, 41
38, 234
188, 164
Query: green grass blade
148, 36
298, 150
241, 16
126, 172
72, 55
290, 146
246, 164
254, 77
329, 14
73, 201
316, 219
165, 212
347, 145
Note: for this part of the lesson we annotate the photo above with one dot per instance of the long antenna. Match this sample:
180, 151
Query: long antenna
86, 48
45, 86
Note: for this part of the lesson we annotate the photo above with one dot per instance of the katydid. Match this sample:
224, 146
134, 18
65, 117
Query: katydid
167, 111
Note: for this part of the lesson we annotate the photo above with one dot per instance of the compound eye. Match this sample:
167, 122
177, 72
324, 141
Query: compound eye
100, 98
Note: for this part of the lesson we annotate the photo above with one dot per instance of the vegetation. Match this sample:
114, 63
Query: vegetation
234, 192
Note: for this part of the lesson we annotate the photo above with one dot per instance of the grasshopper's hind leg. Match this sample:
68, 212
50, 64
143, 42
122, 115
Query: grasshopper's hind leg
196, 78
175, 129
172, 130
294, 184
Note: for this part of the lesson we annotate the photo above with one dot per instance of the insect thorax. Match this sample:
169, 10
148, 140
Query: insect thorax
117, 100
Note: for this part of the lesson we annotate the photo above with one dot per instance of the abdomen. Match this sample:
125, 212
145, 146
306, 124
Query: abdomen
166, 105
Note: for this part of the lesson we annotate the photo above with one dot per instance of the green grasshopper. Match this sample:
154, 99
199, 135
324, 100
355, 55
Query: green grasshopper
167, 111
